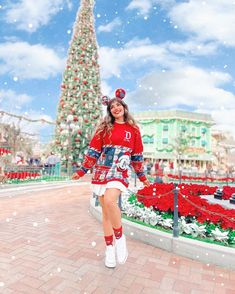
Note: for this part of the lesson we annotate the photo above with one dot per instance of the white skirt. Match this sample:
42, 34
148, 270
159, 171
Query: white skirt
99, 190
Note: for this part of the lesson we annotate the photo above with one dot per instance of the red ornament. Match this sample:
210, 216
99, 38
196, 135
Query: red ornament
120, 93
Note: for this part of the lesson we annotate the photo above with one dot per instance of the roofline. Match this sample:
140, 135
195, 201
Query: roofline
174, 114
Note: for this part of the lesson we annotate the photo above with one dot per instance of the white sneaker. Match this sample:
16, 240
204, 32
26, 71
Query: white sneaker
121, 249
110, 258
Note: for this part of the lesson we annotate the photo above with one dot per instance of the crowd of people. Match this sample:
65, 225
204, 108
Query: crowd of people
45, 163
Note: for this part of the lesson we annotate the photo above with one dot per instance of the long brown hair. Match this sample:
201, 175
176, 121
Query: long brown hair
108, 121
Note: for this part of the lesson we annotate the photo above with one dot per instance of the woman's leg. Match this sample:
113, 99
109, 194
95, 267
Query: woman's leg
114, 215
107, 226
110, 258
111, 207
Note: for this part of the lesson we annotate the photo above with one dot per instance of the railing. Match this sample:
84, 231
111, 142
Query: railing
218, 178
29, 173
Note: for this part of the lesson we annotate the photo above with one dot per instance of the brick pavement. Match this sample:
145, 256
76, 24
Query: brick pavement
50, 244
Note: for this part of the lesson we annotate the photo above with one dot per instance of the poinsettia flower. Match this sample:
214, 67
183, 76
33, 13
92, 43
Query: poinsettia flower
220, 236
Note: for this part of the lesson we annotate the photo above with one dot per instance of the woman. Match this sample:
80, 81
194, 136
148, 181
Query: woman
115, 146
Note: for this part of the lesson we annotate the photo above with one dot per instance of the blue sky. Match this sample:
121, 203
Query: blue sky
167, 54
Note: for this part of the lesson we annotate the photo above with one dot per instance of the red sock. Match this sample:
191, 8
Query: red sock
118, 232
108, 240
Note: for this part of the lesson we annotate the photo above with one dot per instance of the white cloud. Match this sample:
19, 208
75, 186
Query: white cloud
27, 61
144, 6
208, 20
192, 47
11, 101
29, 15
187, 87
138, 53
106, 90
110, 26
224, 119
134, 55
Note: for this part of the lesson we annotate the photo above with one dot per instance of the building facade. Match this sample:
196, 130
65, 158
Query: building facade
181, 137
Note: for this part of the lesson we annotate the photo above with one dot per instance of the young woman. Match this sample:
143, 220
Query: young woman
115, 147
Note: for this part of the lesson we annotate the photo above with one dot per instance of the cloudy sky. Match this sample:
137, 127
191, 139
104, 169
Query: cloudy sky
167, 54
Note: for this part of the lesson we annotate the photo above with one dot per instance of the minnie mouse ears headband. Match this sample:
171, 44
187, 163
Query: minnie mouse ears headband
119, 93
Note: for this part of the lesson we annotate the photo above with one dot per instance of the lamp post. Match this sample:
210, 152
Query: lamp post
176, 215
69, 156
180, 167
70, 126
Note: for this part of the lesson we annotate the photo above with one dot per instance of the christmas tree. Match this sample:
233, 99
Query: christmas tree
79, 107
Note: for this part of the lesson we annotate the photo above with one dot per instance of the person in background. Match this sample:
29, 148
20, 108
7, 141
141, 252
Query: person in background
51, 161
116, 146
171, 166
149, 167
156, 166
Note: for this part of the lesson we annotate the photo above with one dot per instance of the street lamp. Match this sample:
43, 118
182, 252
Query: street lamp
69, 162
180, 167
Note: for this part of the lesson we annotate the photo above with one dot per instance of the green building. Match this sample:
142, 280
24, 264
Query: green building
177, 136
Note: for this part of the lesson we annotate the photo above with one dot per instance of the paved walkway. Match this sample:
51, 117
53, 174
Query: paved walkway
50, 244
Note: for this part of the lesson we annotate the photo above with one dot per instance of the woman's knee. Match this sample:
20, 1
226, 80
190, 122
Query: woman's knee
109, 203
104, 209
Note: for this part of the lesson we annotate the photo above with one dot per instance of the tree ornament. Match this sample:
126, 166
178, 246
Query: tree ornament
70, 117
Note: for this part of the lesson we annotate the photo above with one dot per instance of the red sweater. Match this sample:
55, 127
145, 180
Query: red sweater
114, 154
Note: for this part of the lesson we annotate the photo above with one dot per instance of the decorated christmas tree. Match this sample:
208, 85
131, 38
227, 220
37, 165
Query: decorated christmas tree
79, 107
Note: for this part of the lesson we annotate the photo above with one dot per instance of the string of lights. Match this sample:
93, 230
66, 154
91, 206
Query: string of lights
21, 117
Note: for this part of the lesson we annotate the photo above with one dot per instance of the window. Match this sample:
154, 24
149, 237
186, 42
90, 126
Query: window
148, 139
165, 140
183, 128
203, 143
203, 130
165, 128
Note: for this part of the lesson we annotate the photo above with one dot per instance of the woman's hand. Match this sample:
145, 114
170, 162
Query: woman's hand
147, 183
75, 176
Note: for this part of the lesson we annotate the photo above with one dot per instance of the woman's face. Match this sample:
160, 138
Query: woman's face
117, 110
